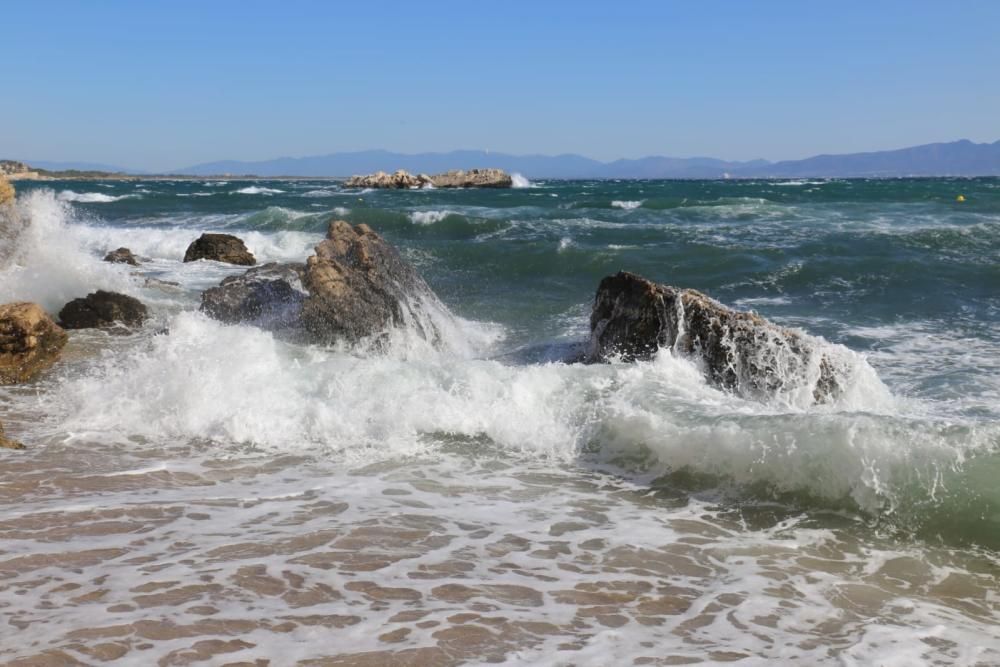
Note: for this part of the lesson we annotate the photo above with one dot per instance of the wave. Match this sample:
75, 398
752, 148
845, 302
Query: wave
256, 190
627, 205
430, 217
92, 197
519, 181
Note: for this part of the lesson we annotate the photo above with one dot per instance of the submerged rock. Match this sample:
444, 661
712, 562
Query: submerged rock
474, 178
30, 341
359, 286
7, 443
268, 296
102, 309
220, 248
742, 352
121, 256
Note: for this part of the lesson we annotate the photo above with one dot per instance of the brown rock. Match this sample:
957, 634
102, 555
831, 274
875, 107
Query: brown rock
121, 256
742, 352
29, 341
7, 193
220, 248
102, 309
6, 443
474, 178
360, 286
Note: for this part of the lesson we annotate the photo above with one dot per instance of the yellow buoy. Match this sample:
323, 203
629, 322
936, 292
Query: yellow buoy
960, 198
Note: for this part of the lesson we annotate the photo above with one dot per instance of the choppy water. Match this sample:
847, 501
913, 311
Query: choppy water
213, 494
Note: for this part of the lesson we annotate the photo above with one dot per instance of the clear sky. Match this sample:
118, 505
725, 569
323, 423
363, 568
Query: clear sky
161, 85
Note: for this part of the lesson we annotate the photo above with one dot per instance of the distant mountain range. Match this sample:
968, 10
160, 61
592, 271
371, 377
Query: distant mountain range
957, 158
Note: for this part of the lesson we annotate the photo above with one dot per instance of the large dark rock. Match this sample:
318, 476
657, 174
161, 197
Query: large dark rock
220, 248
30, 341
268, 296
102, 309
633, 318
355, 288
121, 256
359, 286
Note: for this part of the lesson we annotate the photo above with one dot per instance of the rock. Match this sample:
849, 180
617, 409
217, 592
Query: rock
741, 352
474, 178
399, 180
121, 256
29, 341
7, 443
102, 309
268, 296
7, 193
359, 286
221, 248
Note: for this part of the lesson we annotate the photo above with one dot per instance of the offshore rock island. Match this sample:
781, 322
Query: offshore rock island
402, 179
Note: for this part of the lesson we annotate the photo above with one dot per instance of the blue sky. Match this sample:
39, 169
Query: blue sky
165, 85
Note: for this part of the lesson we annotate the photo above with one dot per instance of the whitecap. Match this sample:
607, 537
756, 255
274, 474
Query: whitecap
92, 197
255, 190
627, 205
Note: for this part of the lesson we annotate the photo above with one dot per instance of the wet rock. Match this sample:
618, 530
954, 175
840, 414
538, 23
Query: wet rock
121, 256
103, 309
7, 443
474, 178
220, 248
30, 341
360, 286
268, 296
742, 352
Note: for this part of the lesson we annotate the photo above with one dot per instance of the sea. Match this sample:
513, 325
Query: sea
200, 493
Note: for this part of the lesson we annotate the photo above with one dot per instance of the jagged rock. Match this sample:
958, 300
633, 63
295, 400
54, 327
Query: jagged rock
102, 309
221, 248
30, 341
633, 318
359, 286
121, 256
7, 443
398, 180
268, 296
474, 178
7, 193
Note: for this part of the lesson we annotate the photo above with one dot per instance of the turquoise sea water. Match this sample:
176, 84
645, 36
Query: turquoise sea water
904, 467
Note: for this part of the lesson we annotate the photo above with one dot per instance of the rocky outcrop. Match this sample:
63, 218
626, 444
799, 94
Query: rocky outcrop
474, 178
356, 287
220, 248
7, 193
103, 309
30, 341
121, 256
399, 180
359, 286
7, 443
742, 352
268, 296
